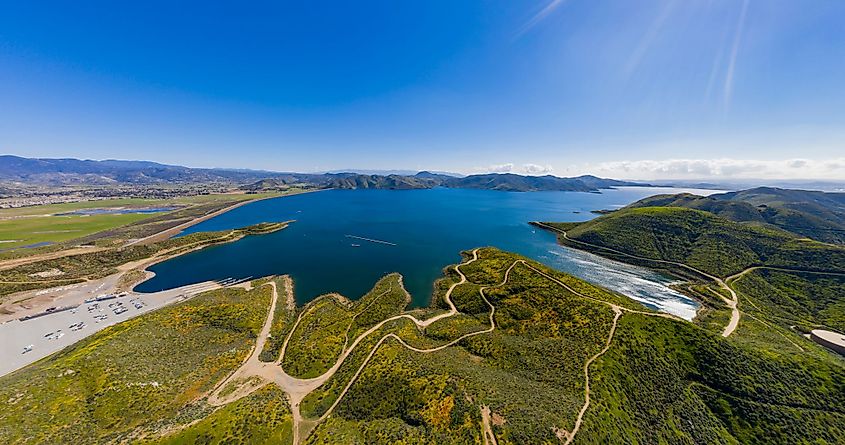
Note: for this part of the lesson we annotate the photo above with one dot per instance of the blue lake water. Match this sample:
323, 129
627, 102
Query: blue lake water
422, 232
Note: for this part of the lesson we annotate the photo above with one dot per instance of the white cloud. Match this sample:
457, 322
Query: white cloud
534, 169
500, 168
797, 163
724, 168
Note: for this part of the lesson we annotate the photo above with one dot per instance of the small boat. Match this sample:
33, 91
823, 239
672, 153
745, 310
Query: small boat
355, 245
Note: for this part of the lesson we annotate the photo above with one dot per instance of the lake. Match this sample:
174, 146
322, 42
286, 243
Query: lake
345, 240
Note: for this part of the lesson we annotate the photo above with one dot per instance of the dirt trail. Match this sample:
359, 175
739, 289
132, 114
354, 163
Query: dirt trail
447, 297
15, 262
730, 302
739, 275
297, 389
252, 366
487, 430
571, 436
36, 300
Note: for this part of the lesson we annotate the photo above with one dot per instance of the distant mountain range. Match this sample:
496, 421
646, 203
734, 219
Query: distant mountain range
362, 171
812, 214
61, 172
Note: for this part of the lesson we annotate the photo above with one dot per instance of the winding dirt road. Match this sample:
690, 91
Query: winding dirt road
571, 436
730, 302
297, 389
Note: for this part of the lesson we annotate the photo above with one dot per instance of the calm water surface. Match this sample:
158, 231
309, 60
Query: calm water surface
425, 229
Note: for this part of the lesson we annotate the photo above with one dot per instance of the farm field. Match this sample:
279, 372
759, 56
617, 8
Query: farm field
40, 226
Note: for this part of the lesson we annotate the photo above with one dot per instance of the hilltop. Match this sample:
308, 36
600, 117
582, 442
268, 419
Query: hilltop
762, 277
813, 214
711, 243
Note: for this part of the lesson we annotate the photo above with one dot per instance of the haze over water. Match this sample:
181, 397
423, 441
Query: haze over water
423, 231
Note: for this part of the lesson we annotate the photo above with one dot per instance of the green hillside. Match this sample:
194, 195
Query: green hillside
816, 300
137, 377
732, 210
781, 284
652, 379
812, 214
703, 240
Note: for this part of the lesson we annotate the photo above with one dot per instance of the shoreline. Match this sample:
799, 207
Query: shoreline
164, 234
593, 250
40, 299
173, 231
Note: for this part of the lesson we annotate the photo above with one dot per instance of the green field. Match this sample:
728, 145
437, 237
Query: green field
42, 224
50, 209
24, 231
100, 263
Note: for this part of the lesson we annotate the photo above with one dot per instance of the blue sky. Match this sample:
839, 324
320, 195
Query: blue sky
635, 89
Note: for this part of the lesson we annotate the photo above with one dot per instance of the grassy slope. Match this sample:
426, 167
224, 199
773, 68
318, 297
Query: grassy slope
676, 383
332, 323
737, 211
813, 214
137, 377
781, 299
262, 418
662, 381
809, 300
767, 384
705, 241
529, 372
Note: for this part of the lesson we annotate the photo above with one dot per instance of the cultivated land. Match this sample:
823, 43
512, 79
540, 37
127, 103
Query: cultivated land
33, 279
35, 286
27, 226
510, 352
